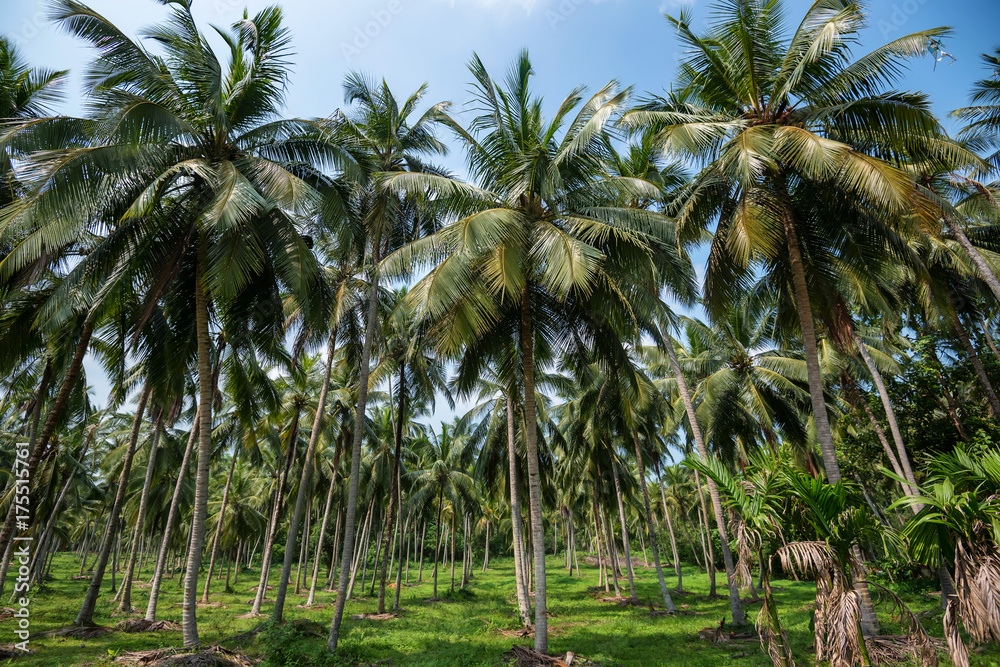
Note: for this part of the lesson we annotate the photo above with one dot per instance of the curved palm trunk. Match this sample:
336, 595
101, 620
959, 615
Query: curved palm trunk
85, 617
985, 272
218, 530
161, 559
515, 516
279, 498
727, 555
651, 528
705, 533
352, 489
890, 413
977, 365
126, 589
534, 477
625, 541
189, 611
390, 514
300, 499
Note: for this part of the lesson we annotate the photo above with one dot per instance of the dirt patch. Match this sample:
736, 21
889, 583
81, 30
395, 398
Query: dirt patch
249, 614
218, 605
9, 652
374, 617
719, 635
80, 577
89, 632
517, 634
214, 656
142, 625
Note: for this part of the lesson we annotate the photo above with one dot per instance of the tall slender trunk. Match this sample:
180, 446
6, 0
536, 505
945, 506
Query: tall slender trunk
670, 529
279, 497
624, 527
303, 547
804, 308
890, 414
736, 607
423, 538
390, 514
989, 337
437, 538
951, 403
161, 559
706, 534
486, 556
218, 530
300, 499
359, 423
322, 534
86, 615
651, 528
977, 365
534, 477
523, 606
454, 511
189, 619
140, 519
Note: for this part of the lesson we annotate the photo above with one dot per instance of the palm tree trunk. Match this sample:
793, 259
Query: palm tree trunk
985, 272
423, 538
203, 470
218, 530
651, 528
486, 556
322, 534
804, 308
303, 547
625, 542
359, 424
437, 537
706, 535
670, 529
515, 515
890, 413
951, 403
279, 497
453, 512
736, 607
403, 542
391, 512
161, 559
534, 477
989, 337
300, 499
140, 519
86, 615
977, 364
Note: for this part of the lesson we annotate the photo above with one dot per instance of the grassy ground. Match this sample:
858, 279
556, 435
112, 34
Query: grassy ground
466, 629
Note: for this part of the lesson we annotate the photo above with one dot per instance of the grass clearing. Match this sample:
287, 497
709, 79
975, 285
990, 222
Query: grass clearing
469, 628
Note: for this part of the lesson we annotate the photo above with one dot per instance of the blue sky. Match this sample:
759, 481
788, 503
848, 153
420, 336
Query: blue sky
572, 42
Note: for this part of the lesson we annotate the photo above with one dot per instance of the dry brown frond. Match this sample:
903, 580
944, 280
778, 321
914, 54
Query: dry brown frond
747, 544
957, 650
808, 559
977, 580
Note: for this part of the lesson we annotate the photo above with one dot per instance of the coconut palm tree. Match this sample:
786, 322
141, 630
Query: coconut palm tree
445, 459
776, 119
380, 222
542, 249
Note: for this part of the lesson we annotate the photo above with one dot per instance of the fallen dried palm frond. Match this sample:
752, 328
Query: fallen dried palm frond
957, 650
213, 656
522, 656
87, 632
142, 625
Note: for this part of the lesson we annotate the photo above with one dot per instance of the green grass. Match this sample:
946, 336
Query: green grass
465, 630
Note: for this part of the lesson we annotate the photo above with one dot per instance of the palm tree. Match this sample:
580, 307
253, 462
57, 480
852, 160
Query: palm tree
542, 250
380, 222
782, 123
445, 461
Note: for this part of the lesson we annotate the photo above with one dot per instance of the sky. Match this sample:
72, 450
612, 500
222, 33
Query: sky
571, 43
